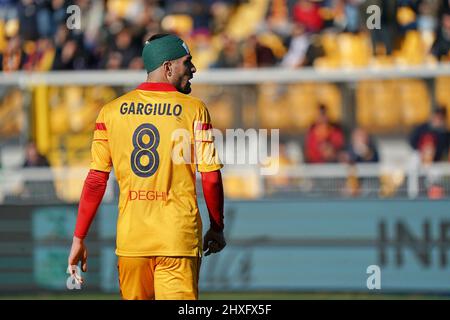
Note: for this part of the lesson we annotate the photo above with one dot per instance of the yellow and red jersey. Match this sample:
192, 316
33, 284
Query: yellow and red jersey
158, 211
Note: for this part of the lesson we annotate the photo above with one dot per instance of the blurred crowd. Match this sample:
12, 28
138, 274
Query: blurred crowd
41, 35
328, 142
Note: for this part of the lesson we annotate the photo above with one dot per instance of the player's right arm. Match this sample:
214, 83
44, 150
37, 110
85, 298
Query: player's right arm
91, 197
92, 194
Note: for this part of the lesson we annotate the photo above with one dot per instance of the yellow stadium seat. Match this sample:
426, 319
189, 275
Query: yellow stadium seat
59, 120
237, 186
354, 49
330, 44
382, 61
3, 42
442, 94
12, 114
73, 97
204, 57
249, 118
69, 184
274, 42
273, 107
73, 111
414, 101
220, 104
305, 99
246, 19
221, 111
412, 50
181, 24
78, 141
302, 104
55, 157
12, 27
118, 7
99, 94
327, 63
329, 95
376, 106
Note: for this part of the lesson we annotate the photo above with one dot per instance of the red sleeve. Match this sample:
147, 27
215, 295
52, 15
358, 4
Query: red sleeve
91, 196
213, 192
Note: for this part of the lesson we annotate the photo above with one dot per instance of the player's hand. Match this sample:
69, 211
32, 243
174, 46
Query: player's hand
213, 242
78, 253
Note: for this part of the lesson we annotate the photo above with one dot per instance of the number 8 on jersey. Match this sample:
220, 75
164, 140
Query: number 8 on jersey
145, 142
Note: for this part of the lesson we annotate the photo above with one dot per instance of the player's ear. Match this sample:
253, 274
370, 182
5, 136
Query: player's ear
167, 66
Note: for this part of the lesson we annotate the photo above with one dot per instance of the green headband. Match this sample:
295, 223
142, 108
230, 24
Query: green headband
167, 48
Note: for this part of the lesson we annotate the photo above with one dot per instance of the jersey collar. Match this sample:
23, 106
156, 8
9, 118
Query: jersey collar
156, 86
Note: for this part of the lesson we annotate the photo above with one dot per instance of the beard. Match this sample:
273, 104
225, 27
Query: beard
186, 89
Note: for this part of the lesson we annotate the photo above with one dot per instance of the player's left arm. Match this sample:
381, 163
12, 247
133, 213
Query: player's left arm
209, 165
214, 240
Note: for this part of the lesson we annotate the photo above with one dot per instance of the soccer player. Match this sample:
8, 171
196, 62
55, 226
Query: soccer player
159, 228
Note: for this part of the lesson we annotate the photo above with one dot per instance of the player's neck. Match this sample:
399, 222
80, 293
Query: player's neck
157, 78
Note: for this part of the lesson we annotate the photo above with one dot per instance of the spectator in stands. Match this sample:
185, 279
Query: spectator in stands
324, 140
41, 57
441, 47
407, 15
383, 38
257, 55
124, 45
33, 158
362, 147
42, 190
328, 11
445, 6
428, 17
352, 15
200, 14
28, 20
66, 57
431, 139
220, 15
299, 44
114, 60
101, 42
14, 57
307, 12
8, 10
314, 51
278, 20
230, 56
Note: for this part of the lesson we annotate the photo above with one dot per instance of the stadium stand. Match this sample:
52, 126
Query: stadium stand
325, 35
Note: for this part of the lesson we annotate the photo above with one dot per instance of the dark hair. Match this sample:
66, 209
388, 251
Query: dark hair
322, 109
158, 36
441, 111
